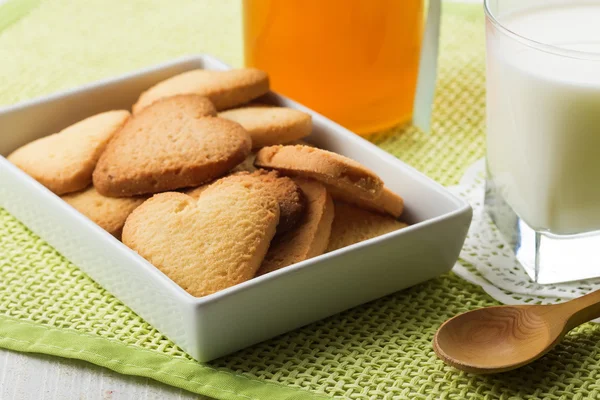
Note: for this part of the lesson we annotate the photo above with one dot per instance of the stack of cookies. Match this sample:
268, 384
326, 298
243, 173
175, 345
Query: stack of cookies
210, 186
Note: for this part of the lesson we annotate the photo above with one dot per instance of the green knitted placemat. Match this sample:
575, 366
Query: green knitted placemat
379, 350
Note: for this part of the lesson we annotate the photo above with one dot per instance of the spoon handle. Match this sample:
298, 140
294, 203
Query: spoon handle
582, 309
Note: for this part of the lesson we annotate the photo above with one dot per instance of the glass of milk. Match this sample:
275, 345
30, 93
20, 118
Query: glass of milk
543, 133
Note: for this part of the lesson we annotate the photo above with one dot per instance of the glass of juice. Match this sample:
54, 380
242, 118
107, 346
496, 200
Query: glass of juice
543, 133
354, 61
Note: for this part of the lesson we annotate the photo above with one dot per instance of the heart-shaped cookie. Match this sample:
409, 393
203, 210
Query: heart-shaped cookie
208, 244
109, 213
387, 202
311, 236
226, 89
268, 125
174, 143
247, 165
353, 225
292, 202
332, 169
64, 161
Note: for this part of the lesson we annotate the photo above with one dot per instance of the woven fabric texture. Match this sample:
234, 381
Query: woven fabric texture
379, 350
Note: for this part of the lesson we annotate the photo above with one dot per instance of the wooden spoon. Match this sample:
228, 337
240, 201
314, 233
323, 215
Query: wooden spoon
502, 338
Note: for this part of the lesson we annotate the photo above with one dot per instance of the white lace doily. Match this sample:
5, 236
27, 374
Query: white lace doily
486, 259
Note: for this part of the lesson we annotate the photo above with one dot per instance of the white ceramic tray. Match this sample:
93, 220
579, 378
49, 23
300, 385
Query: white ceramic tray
261, 308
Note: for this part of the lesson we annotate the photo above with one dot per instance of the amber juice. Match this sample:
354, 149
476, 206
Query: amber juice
355, 61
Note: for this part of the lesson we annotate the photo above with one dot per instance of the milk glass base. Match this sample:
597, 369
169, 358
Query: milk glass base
547, 258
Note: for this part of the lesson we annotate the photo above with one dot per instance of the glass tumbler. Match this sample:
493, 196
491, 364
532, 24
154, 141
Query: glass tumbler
543, 133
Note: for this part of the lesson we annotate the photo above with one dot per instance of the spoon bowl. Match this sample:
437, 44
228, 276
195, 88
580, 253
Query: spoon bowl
494, 339
502, 338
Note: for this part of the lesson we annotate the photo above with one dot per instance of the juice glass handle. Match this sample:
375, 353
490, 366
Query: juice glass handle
423, 104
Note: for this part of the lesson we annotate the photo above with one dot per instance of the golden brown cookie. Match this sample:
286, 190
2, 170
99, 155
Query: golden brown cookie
324, 166
292, 202
170, 145
246, 165
109, 213
311, 236
301, 143
352, 225
197, 191
226, 89
268, 125
208, 244
64, 161
387, 202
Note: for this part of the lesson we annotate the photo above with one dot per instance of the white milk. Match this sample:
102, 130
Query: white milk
544, 117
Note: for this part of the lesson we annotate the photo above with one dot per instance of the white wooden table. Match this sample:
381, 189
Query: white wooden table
41, 377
